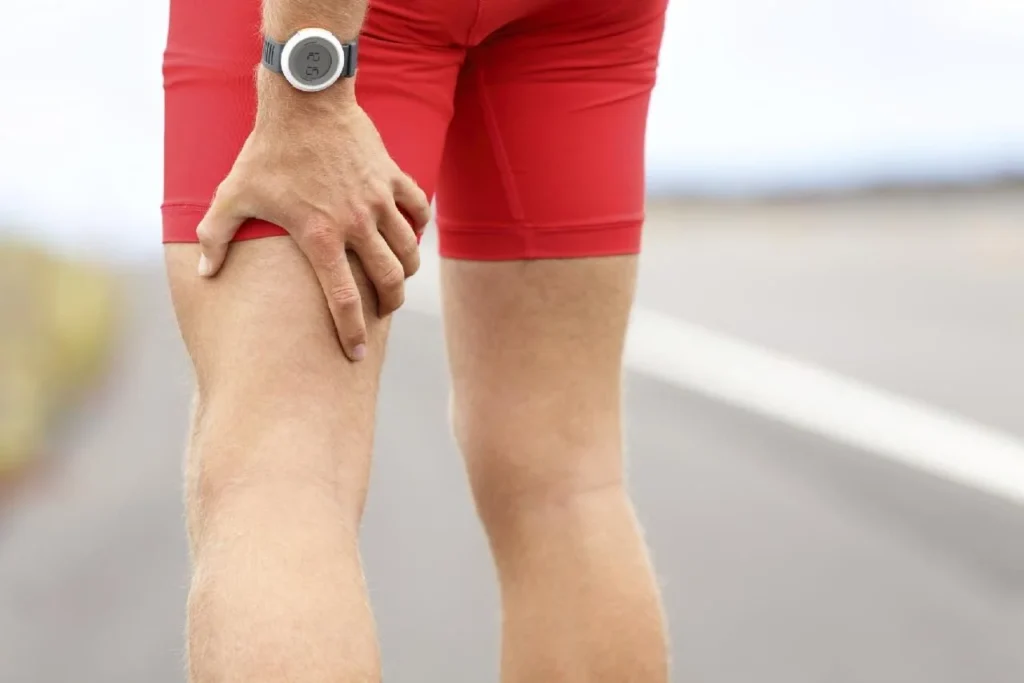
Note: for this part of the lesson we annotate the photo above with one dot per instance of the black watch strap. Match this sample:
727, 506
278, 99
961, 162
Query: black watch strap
272, 52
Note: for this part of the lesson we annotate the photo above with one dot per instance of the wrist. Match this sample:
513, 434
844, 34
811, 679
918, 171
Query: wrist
274, 94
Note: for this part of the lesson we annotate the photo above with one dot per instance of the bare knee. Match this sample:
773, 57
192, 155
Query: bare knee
521, 460
249, 454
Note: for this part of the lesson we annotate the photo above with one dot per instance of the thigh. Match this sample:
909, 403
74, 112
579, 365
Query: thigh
545, 153
535, 352
277, 399
264, 320
405, 82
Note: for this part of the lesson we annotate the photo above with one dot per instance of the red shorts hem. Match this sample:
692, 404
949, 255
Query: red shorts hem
181, 220
457, 241
527, 242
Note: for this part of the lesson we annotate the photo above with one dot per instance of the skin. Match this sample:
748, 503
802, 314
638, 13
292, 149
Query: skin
279, 454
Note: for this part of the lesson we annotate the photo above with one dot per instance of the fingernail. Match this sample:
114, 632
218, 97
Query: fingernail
204, 266
359, 353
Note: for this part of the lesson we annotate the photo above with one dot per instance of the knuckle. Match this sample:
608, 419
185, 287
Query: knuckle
361, 220
221, 192
318, 224
413, 188
410, 258
322, 240
421, 196
393, 278
380, 195
420, 214
204, 235
391, 302
412, 264
228, 191
207, 236
345, 296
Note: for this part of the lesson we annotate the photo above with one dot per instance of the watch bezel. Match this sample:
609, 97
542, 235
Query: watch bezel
301, 36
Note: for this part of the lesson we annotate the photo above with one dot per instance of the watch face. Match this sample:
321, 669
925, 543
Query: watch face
314, 61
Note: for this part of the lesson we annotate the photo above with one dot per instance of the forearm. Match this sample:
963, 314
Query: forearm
343, 18
281, 20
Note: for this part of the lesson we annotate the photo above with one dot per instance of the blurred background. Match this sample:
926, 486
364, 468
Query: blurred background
826, 376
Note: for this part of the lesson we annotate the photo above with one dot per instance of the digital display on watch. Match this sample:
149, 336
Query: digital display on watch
313, 61
316, 61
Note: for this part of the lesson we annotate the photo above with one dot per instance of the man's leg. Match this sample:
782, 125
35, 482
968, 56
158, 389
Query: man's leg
535, 349
277, 472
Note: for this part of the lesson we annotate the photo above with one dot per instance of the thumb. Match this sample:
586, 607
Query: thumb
215, 233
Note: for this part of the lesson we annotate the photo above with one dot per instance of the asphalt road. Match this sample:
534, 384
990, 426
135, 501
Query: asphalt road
784, 558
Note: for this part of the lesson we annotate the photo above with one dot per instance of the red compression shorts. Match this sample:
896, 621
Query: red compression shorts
526, 116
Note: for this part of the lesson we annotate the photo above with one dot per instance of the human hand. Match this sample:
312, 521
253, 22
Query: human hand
318, 168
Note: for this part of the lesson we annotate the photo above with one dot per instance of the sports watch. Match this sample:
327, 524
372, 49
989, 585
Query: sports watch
311, 60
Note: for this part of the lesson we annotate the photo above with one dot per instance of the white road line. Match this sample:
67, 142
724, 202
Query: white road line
814, 399
824, 402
